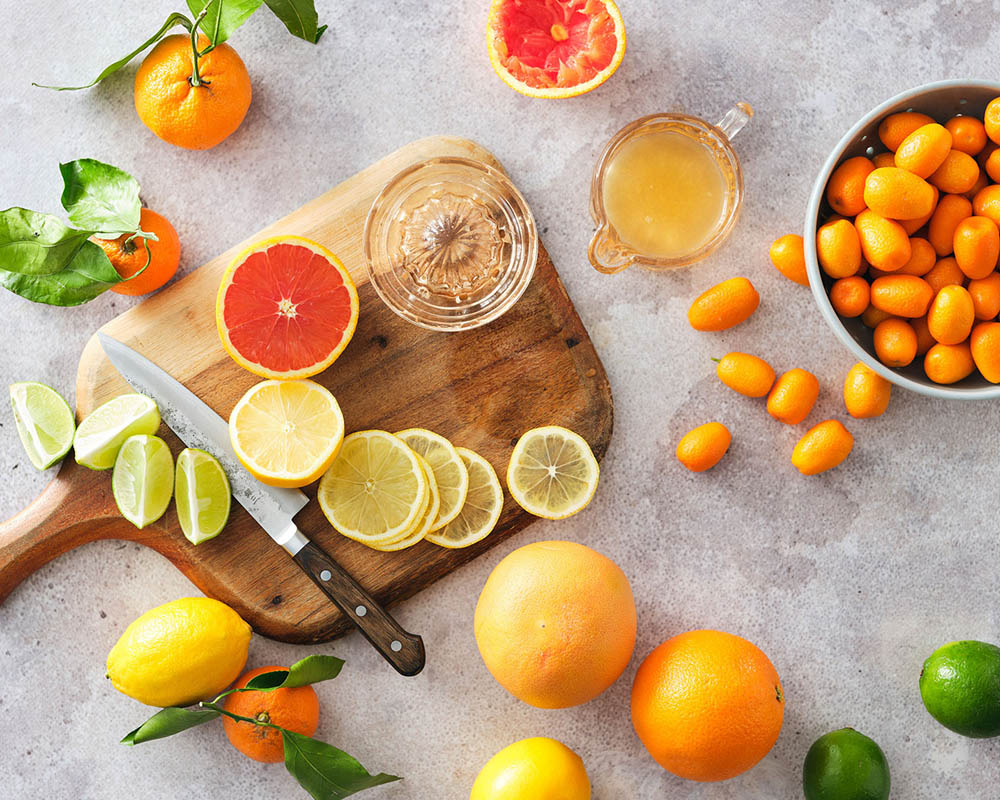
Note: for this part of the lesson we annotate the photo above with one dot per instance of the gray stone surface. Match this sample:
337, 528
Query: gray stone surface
848, 581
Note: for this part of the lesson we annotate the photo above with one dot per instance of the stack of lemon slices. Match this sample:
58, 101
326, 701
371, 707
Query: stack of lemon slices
390, 491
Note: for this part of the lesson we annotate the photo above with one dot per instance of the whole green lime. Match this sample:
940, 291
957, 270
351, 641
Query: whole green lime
845, 765
960, 686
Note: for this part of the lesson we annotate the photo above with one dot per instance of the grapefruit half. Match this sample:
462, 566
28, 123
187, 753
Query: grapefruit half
286, 308
555, 48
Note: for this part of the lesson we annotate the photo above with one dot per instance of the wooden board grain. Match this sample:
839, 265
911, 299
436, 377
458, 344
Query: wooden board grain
481, 389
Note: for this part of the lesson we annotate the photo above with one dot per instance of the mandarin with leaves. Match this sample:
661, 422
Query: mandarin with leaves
128, 255
295, 709
192, 110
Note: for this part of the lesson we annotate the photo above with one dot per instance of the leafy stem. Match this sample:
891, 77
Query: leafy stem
196, 79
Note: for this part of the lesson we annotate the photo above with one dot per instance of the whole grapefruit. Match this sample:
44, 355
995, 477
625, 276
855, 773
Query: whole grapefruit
555, 623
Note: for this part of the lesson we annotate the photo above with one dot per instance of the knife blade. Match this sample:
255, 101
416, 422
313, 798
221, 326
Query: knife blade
197, 425
274, 508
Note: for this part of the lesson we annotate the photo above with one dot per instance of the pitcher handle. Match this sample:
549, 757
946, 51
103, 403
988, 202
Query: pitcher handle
735, 118
604, 256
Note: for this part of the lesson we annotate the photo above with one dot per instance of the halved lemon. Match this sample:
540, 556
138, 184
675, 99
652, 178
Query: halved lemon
375, 490
555, 48
423, 526
552, 472
482, 507
450, 474
286, 433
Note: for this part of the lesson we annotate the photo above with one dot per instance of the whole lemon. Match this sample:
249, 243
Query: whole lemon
555, 623
533, 769
181, 652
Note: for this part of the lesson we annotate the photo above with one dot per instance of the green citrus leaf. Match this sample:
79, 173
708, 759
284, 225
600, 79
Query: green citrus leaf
324, 771
223, 17
299, 16
172, 21
311, 669
167, 722
84, 278
32, 243
100, 197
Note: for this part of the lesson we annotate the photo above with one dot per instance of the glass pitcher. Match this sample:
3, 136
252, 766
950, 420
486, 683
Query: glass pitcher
608, 252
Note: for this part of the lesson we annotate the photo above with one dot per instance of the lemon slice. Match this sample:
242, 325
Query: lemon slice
44, 422
202, 495
287, 433
143, 480
483, 504
552, 473
450, 472
101, 433
425, 522
375, 490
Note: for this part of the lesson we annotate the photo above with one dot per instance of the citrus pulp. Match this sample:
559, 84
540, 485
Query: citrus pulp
555, 48
287, 433
480, 512
44, 422
143, 479
286, 308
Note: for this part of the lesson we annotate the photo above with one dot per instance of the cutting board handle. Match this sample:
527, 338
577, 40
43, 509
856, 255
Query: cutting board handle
76, 508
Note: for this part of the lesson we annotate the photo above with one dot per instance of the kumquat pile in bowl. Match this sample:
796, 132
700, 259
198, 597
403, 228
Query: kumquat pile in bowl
902, 239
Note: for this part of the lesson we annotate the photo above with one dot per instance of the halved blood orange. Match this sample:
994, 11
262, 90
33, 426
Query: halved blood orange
286, 308
555, 48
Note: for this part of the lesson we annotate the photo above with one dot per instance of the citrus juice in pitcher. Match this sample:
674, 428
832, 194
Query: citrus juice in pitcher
665, 194
666, 191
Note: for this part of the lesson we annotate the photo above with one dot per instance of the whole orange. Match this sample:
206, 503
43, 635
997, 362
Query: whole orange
193, 117
707, 705
295, 709
129, 257
555, 623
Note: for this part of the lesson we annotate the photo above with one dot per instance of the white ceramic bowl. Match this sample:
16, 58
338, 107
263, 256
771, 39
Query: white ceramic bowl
941, 100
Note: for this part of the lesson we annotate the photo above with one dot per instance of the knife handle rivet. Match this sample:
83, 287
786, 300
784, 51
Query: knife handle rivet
361, 611
325, 575
396, 646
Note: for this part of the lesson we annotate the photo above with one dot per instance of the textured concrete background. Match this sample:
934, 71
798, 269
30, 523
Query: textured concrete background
848, 581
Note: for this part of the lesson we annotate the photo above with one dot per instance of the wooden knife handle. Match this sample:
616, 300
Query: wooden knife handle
405, 651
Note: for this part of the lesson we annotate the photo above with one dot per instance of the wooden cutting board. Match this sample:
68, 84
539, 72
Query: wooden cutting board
480, 388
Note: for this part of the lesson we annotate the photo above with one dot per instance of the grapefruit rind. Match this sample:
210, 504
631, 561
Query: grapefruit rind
496, 45
227, 280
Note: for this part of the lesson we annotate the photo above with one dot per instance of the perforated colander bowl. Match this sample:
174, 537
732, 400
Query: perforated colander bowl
941, 100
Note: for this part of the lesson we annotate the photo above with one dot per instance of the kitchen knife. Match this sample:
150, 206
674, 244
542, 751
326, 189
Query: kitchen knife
197, 425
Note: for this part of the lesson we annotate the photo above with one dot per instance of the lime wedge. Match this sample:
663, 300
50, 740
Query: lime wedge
143, 480
105, 428
44, 422
202, 494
